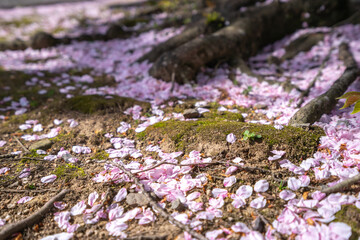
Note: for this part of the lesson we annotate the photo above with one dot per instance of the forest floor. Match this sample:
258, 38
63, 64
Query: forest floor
217, 156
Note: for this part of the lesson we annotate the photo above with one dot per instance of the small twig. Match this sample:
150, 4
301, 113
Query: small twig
250, 169
263, 218
306, 92
12, 228
7, 155
156, 206
33, 158
11, 180
103, 201
175, 164
340, 186
27, 190
22, 145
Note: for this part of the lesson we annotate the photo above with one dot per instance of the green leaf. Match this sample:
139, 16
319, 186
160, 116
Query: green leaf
351, 98
356, 107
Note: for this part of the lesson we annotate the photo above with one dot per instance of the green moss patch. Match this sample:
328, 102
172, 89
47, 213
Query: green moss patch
209, 137
69, 171
90, 104
351, 216
101, 155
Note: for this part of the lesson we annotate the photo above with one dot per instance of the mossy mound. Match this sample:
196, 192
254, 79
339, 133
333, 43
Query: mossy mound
209, 137
90, 104
350, 215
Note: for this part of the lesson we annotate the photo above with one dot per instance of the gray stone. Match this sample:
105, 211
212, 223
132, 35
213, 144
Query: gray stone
11, 205
115, 31
177, 205
67, 157
42, 144
191, 113
89, 232
260, 106
259, 225
138, 199
42, 40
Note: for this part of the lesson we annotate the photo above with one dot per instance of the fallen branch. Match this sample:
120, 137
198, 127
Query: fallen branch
312, 111
342, 185
12, 228
27, 190
156, 206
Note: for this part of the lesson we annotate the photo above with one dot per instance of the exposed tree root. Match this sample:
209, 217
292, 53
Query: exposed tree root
12, 228
174, 42
312, 111
342, 185
258, 27
302, 44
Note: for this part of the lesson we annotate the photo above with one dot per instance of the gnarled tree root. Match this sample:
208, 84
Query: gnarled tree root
246, 35
312, 111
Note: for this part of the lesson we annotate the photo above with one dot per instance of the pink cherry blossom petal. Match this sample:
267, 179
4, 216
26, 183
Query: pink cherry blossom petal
230, 138
230, 170
78, 209
259, 202
59, 236
92, 198
49, 179
60, 205
216, 192
294, 183
287, 195
24, 199
229, 181
240, 227
244, 191
121, 195
212, 235
116, 228
261, 186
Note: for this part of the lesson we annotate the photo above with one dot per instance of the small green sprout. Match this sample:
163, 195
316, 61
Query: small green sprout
281, 186
250, 135
247, 91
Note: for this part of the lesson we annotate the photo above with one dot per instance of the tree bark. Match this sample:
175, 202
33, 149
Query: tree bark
245, 36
